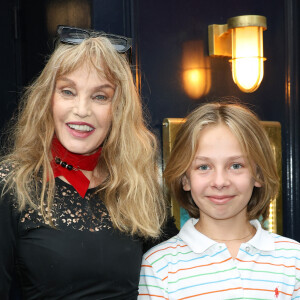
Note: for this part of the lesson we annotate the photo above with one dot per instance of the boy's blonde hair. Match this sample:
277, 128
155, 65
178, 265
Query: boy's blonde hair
254, 142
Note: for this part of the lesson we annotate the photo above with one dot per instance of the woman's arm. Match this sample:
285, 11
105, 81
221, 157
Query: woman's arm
7, 248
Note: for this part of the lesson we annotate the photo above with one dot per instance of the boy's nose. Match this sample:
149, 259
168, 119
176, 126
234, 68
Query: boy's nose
220, 179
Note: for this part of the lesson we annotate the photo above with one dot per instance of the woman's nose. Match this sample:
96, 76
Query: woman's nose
82, 107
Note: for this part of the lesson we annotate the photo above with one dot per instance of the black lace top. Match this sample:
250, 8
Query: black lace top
82, 258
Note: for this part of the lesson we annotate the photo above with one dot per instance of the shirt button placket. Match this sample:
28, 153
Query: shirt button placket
244, 256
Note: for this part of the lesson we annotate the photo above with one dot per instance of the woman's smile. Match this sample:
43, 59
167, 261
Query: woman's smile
80, 126
80, 129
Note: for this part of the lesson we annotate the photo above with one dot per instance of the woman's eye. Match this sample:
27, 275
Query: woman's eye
67, 93
100, 97
236, 166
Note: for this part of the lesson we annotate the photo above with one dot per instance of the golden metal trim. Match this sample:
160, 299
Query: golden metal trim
219, 35
219, 40
247, 20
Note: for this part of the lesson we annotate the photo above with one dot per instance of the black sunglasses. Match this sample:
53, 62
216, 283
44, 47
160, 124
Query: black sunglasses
75, 36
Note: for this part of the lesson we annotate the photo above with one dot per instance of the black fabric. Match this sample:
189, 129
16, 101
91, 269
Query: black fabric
83, 258
169, 230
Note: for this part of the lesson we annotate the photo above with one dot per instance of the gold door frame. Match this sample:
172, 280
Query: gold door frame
273, 129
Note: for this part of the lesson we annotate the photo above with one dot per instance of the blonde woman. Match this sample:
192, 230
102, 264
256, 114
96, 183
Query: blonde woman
80, 190
223, 172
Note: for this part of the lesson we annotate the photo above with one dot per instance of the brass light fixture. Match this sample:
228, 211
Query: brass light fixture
242, 40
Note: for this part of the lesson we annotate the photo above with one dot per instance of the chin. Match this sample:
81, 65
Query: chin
81, 150
88, 152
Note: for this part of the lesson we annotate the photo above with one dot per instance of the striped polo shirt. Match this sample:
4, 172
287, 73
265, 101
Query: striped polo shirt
192, 266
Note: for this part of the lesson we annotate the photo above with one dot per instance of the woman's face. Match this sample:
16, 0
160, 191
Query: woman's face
82, 113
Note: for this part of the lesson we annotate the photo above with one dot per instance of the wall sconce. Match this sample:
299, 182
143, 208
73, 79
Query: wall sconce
242, 40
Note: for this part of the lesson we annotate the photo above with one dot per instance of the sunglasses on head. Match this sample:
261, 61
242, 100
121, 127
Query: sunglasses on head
75, 36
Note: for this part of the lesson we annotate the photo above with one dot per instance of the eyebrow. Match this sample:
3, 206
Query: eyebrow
100, 87
204, 158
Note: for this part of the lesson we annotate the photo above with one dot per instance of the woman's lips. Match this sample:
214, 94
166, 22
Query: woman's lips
80, 129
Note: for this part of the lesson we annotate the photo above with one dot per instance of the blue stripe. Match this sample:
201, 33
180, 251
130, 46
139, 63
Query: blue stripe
182, 260
271, 281
268, 255
206, 283
151, 276
275, 236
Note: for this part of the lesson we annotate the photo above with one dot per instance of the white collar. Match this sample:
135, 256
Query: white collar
198, 242
262, 240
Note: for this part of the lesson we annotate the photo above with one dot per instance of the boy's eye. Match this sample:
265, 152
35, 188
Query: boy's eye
203, 167
236, 166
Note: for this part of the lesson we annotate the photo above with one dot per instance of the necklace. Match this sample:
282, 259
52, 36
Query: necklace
251, 233
69, 165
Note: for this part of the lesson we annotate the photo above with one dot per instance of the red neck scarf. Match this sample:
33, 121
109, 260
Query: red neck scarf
68, 164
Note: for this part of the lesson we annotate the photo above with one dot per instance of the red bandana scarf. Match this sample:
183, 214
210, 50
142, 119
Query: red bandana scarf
68, 164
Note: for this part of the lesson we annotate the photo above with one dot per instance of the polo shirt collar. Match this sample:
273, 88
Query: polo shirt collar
199, 243
262, 240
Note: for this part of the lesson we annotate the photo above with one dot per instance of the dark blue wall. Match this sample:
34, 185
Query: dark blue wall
163, 28
160, 29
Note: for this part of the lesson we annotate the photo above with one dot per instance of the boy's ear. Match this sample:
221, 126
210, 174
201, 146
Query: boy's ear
185, 183
257, 184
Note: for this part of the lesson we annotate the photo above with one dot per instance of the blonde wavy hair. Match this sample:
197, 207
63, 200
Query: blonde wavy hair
254, 142
131, 190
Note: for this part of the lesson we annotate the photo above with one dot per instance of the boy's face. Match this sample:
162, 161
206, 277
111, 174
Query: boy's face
219, 178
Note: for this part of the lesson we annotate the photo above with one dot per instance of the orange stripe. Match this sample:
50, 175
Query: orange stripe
165, 278
151, 295
201, 266
266, 263
147, 266
263, 290
287, 242
249, 289
237, 288
170, 247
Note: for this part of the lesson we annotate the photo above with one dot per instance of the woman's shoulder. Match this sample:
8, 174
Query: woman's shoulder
6, 169
7, 196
